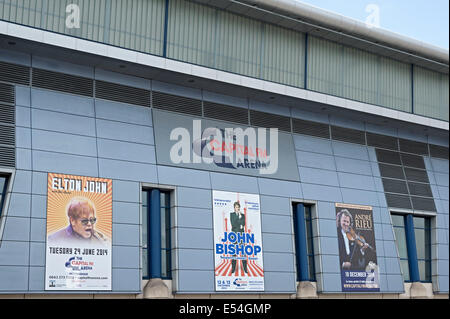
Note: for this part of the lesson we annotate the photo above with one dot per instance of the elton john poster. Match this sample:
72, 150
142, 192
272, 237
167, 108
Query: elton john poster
79, 233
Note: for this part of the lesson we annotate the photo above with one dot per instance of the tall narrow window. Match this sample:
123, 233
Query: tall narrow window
309, 243
413, 237
3, 187
398, 222
422, 232
156, 251
304, 242
165, 235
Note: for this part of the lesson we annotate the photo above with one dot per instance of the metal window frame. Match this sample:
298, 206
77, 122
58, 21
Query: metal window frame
3, 191
303, 267
7, 197
147, 188
414, 274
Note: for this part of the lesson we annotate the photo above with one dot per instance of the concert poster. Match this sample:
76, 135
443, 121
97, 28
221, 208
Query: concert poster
238, 252
357, 250
79, 233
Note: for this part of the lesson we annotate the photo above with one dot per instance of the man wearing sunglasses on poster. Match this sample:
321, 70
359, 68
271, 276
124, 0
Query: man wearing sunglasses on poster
81, 214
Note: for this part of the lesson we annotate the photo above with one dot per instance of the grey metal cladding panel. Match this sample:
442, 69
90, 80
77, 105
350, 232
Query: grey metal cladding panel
267, 120
414, 147
382, 141
62, 82
416, 175
7, 135
420, 189
122, 93
395, 186
388, 157
14, 73
348, 135
7, 93
413, 161
7, 113
438, 151
398, 201
225, 112
391, 171
7, 156
310, 128
426, 204
175, 103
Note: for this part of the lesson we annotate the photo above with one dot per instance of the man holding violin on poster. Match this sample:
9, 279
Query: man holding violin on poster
355, 252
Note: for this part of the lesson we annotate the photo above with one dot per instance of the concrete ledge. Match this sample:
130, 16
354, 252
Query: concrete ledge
156, 288
307, 290
418, 290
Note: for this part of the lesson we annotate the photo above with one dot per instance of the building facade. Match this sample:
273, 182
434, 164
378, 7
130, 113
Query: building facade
166, 113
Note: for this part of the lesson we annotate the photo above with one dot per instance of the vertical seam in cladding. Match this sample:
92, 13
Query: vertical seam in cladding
261, 48
127, 38
31, 172
335, 163
43, 9
412, 88
132, 37
202, 104
216, 22
166, 23
31, 114
95, 122
378, 86
305, 84
153, 130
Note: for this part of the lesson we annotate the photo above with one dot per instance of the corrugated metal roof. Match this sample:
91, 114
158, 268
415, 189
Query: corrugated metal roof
305, 18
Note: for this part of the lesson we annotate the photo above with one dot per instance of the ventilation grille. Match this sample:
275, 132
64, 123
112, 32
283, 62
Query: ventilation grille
391, 171
7, 156
310, 128
225, 113
426, 204
19, 74
7, 126
413, 147
398, 201
348, 135
14, 73
122, 93
407, 177
382, 141
438, 151
267, 120
7, 93
176, 103
413, 161
416, 175
7, 113
395, 186
388, 157
7, 135
420, 189
62, 82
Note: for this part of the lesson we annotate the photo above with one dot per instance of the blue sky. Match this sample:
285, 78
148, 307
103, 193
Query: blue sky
424, 20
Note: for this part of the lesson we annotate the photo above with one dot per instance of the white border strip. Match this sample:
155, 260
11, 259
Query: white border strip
86, 46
